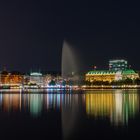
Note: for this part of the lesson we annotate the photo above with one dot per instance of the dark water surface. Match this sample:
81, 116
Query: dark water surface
98, 114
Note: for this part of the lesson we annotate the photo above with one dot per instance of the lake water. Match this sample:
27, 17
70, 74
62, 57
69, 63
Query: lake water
98, 114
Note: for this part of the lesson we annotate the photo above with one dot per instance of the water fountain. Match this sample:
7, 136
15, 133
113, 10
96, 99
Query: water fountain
70, 70
69, 64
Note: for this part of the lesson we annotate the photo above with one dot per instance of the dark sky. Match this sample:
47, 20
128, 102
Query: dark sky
32, 33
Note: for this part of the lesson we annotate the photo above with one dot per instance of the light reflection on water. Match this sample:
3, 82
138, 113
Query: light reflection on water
35, 104
117, 105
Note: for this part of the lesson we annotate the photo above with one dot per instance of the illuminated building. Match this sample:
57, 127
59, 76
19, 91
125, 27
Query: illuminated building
26, 80
16, 78
4, 77
46, 79
36, 78
110, 75
118, 70
131, 74
118, 64
11, 78
100, 75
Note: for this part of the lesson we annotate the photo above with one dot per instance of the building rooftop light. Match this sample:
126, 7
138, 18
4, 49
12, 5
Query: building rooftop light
36, 74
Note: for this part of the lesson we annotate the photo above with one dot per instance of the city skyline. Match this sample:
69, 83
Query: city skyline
91, 66
32, 34
69, 70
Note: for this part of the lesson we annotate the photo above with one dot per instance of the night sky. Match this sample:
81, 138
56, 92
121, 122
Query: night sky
32, 33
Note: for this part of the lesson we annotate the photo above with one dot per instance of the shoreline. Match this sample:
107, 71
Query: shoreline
75, 88
111, 87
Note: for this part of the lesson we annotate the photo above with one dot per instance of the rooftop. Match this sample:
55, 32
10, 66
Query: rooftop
36, 74
101, 72
104, 72
128, 71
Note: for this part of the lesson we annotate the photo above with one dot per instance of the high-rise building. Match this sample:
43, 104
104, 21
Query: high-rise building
118, 64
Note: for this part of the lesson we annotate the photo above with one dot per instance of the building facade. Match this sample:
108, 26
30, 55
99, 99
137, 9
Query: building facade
100, 75
47, 79
118, 64
11, 78
36, 78
131, 74
110, 75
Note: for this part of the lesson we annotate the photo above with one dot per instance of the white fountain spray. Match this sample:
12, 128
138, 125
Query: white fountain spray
69, 65
70, 68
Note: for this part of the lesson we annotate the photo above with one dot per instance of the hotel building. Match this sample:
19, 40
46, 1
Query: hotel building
118, 70
110, 75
